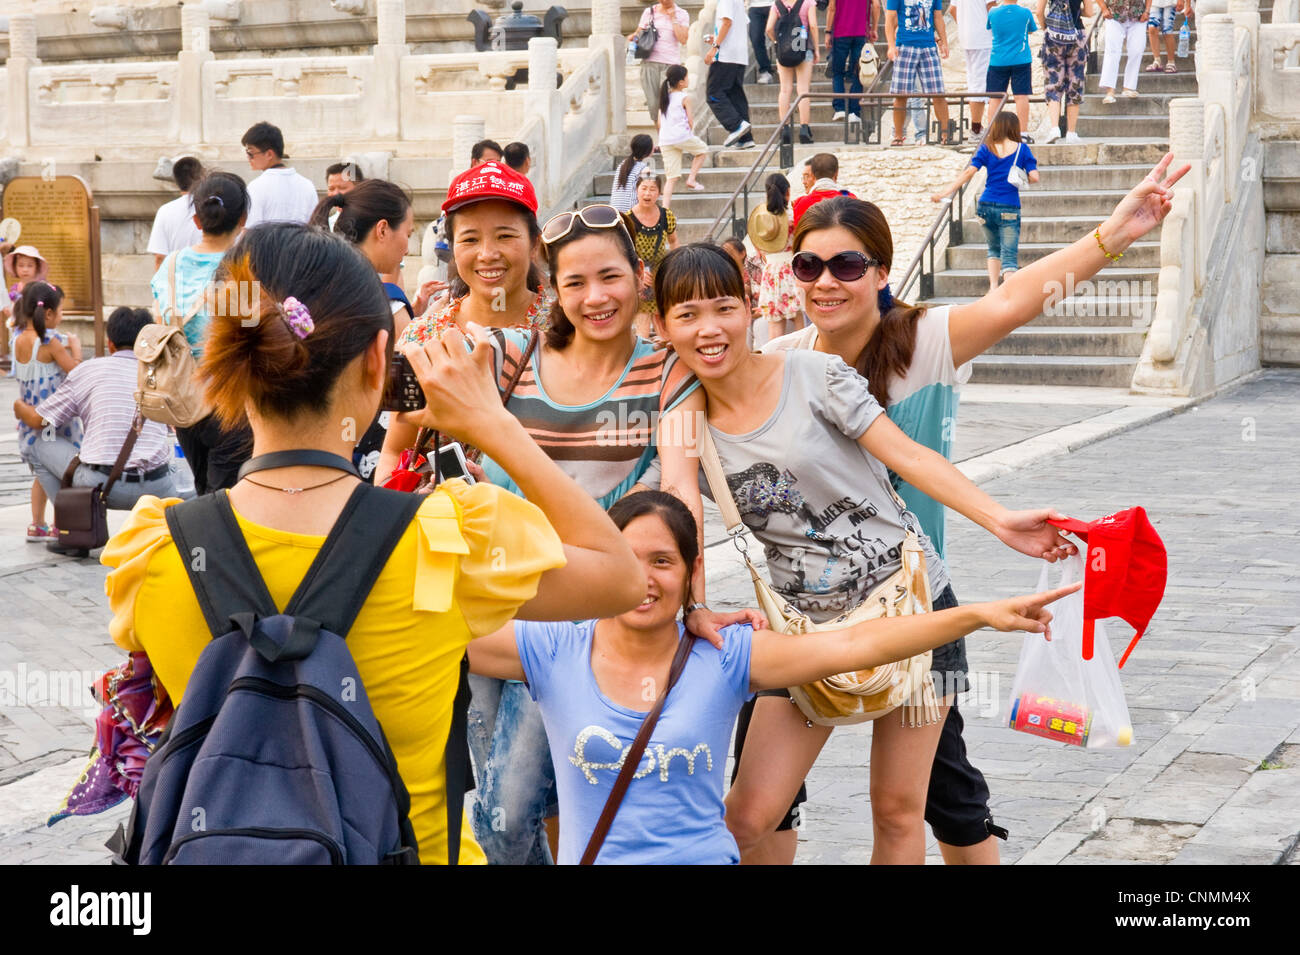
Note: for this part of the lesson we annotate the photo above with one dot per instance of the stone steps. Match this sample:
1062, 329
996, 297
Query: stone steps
973, 254
966, 283
1096, 341
1072, 370
1086, 310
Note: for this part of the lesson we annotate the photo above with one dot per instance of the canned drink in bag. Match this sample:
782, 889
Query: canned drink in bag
1051, 719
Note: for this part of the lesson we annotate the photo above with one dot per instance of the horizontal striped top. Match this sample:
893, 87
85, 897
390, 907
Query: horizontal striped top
101, 392
605, 445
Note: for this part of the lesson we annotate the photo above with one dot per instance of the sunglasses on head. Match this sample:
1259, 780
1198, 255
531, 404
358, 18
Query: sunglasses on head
846, 266
599, 216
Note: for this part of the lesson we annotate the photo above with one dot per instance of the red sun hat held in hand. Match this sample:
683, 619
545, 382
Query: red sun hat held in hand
1125, 568
490, 180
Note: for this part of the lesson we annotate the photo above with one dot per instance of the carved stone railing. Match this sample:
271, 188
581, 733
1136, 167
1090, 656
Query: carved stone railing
1205, 328
385, 95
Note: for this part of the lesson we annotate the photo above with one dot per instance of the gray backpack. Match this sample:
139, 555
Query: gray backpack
274, 755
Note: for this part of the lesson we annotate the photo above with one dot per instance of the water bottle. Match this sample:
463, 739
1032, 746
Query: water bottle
631, 52
1184, 40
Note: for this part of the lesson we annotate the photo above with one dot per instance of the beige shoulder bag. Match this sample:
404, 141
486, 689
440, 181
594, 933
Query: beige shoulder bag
863, 694
168, 388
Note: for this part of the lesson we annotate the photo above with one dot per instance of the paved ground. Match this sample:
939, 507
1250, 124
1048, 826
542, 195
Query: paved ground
1214, 688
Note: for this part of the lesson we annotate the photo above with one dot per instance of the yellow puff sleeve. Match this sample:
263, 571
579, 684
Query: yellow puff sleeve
128, 552
506, 545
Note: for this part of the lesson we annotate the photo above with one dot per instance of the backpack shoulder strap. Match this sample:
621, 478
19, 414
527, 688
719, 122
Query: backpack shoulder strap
354, 554
221, 569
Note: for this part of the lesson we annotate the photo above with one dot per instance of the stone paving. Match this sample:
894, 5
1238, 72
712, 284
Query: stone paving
1213, 689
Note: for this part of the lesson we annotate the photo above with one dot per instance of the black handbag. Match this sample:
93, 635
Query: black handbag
81, 513
644, 39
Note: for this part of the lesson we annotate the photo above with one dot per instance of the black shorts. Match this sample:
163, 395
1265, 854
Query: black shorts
1020, 77
956, 805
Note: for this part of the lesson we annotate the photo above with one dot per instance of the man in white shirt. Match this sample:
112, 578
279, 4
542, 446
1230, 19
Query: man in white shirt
279, 194
173, 224
972, 18
727, 58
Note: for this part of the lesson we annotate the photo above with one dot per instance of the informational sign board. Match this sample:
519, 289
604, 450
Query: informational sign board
59, 217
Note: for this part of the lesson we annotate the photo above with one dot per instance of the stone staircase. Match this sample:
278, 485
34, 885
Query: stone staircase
1093, 333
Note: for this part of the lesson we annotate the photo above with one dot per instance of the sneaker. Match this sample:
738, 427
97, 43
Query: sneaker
764, 78
805, 134
1026, 139
1049, 134
1129, 94
854, 118
747, 144
839, 115
1110, 98
1072, 139
738, 134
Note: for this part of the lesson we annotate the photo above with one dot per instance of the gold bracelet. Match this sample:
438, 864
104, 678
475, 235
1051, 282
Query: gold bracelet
1113, 258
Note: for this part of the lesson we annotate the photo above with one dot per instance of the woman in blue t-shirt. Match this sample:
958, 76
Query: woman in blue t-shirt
999, 205
595, 680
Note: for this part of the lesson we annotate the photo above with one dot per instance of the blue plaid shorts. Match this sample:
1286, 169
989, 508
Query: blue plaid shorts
917, 70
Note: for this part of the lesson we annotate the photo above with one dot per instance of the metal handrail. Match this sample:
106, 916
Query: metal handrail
764, 157
915, 270
787, 159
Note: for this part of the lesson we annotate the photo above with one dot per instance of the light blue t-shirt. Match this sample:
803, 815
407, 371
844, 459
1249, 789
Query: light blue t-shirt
672, 813
915, 21
194, 271
1011, 26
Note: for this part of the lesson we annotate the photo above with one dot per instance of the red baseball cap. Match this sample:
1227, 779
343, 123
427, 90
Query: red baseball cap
804, 203
1125, 571
490, 180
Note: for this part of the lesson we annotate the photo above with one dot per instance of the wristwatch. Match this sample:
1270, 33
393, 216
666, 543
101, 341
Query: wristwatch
698, 605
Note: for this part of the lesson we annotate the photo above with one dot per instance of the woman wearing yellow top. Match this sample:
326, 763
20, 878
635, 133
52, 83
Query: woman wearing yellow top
312, 353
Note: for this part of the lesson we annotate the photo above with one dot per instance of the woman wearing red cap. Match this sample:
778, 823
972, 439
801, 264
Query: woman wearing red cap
915, 359
492, 224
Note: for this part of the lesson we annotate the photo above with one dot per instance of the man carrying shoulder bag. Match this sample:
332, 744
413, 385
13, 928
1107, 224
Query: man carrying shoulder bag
101, 392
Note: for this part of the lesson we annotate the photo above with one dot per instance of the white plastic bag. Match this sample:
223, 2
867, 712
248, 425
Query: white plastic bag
1061, 696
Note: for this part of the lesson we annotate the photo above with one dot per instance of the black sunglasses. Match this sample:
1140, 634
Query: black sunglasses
846, 266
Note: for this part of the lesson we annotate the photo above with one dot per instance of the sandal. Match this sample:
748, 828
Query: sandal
39, 533
898, 141
1155, 67
1170, 68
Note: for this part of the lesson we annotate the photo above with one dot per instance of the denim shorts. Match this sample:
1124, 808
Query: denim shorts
1162, 19
1001, 231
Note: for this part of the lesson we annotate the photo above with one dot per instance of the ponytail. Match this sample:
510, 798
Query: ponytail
640, 147
672, 76
38, 300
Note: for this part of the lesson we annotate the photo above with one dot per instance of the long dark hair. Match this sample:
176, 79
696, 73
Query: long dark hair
672, 76
640, 147
778, 193
560, 331
458, 287
888, 352
676, 516
253, 355
39, 299
362, 207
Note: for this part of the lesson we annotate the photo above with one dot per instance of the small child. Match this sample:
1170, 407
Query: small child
676, 132
26, 265
42, 359
999, 204
1011, 59
623, 194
